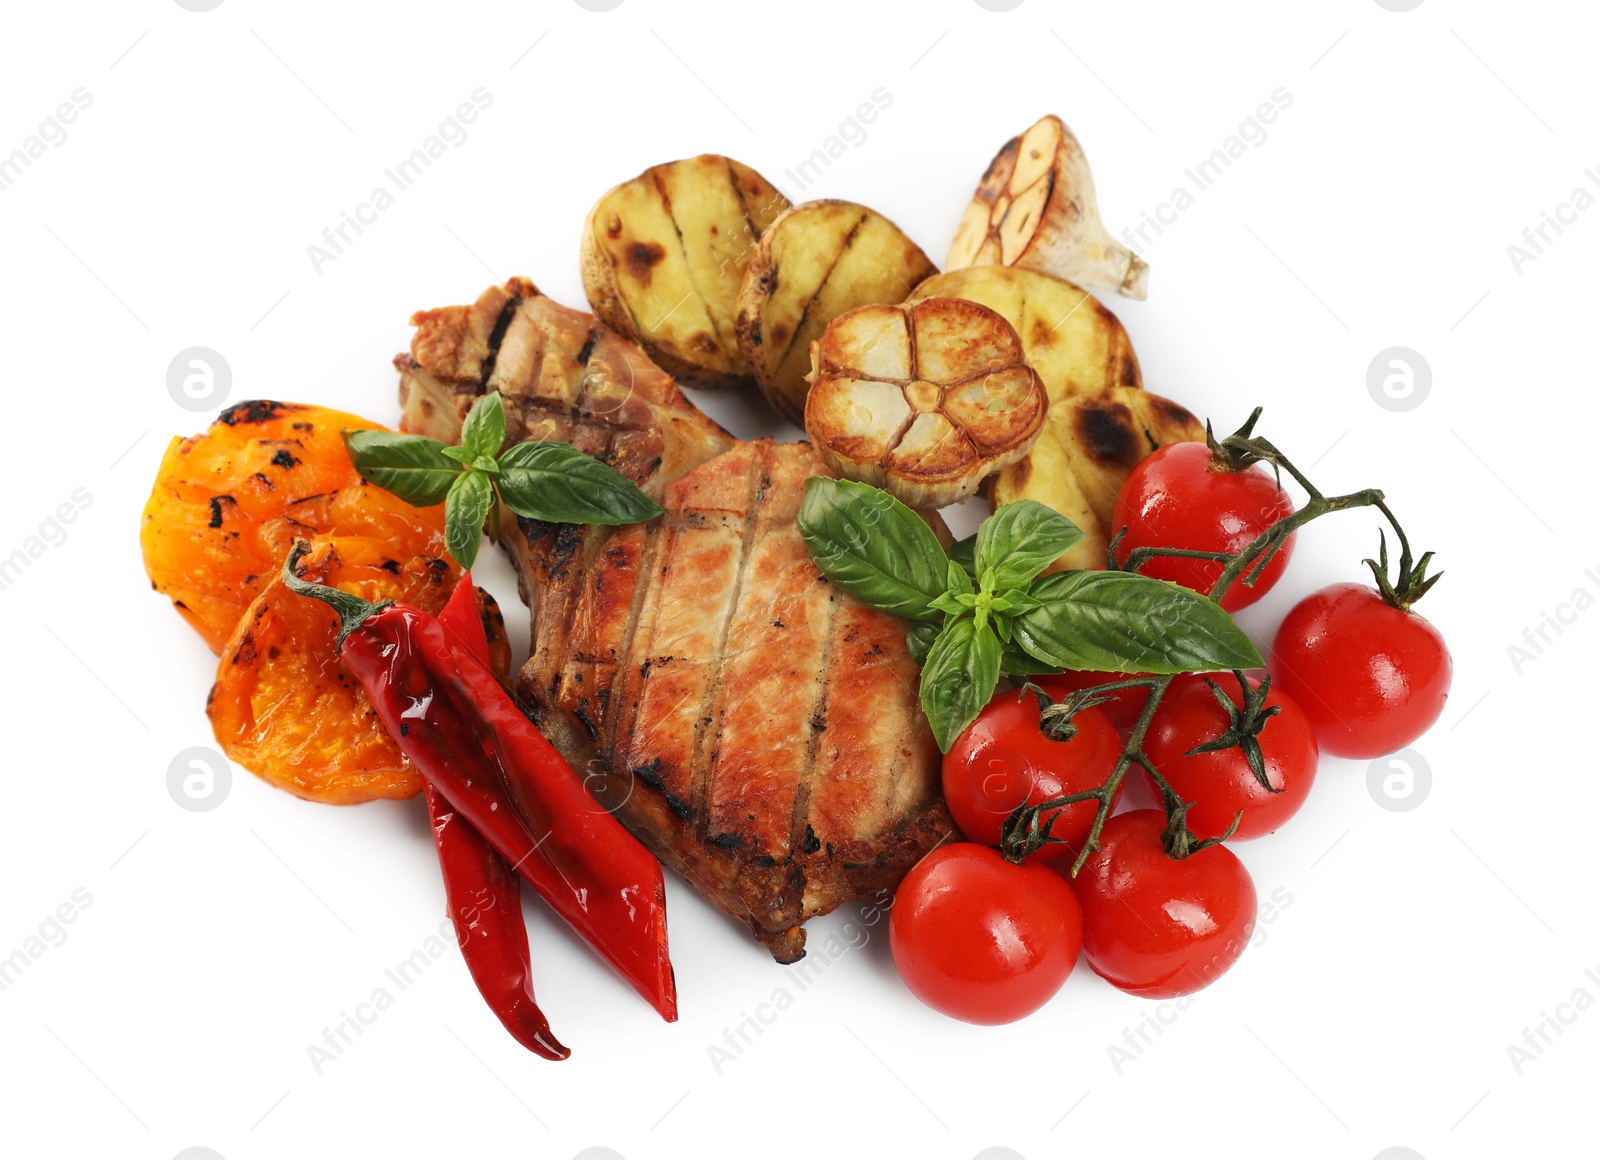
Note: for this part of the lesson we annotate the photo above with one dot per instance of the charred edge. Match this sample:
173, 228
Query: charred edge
497, 336
726, 841
651, 775
812, 843
284, 458
255, 411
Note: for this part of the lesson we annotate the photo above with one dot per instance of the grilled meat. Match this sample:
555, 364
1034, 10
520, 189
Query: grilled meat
756, 728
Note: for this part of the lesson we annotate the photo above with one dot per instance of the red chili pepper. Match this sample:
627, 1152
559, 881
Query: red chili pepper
466, 735
483, 895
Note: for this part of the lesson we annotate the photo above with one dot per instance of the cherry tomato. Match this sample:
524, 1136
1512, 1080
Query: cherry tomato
1004, 758
1220, 783
1159, 926
982, 939
1122, 708
1175, 498
1371, 677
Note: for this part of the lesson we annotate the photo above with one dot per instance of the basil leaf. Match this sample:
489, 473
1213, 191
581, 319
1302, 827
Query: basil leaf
920, 638
956, 579
469, 501
958, 678
485, 426
413, 467
1019, 541
1015, 662
874, 547
559, 484
1124, 623
962, 552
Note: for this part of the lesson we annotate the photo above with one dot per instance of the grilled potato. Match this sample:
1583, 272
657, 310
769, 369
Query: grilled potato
1089, 446
1076, 344
923, 401
1035, 209
663, 256
812, 264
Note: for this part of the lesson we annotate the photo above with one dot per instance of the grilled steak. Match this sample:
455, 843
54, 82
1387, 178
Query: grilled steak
755, 727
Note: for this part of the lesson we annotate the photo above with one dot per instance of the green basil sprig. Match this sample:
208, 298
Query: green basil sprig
983, 610
554, 482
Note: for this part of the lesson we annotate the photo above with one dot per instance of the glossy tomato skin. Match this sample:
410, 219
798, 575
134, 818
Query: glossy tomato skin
1003, 759
1156, 926
1174, 498
1371, 678
1121, 708
1220, 783
981, 939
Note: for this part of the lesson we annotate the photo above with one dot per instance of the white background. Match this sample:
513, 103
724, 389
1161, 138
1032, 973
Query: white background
1377, 1008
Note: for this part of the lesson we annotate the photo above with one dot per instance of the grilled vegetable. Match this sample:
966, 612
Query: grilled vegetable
449, 712
923, 401
227, 505
663, 255
283, 706
1035, 209
813, 264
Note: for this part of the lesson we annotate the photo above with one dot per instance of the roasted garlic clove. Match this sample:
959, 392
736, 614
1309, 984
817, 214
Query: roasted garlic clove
1035, 209
923, 401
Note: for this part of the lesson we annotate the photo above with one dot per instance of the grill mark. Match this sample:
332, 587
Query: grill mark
683, 252
849, 240
636, 663
801, 836
610, 728
727, 342
496, 337
705, 751
587, 350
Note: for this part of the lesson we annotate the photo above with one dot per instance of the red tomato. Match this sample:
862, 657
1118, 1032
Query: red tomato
1220, 783
1371, 677
1122, 707
1159, 926
1175, 498
982, 939
1004, 759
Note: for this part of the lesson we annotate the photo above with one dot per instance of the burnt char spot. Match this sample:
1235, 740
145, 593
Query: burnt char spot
306, 427
704, 343
581, 712
264, 482
1129, 376
819, 722
282, 458
1106, 434
391, 566
216, 509
811, 843
569, 538
641, 258
726, 841
254, 411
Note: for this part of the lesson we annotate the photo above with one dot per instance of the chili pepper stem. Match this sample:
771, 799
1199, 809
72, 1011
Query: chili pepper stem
352, 610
